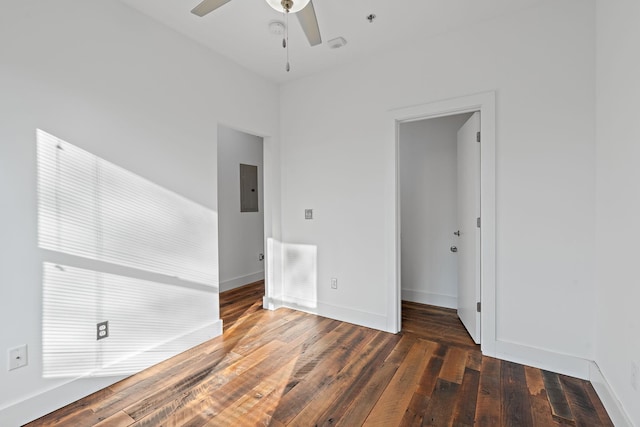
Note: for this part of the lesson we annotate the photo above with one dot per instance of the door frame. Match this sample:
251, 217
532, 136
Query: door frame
484, 103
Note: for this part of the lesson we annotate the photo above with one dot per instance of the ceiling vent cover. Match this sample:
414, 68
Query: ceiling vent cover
336, 43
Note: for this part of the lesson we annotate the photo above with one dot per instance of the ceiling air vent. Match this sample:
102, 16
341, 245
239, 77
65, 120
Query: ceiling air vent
336, 43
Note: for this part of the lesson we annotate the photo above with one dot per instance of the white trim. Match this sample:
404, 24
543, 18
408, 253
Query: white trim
269, 303
486, 104
611, 403
429, 298
236, 282
565, 364
48, 401
343, 314
42, 403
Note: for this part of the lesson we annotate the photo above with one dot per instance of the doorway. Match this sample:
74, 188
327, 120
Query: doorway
240, 208
484, 103
439, 176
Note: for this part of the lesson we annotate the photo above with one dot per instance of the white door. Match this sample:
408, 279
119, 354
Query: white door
469, 232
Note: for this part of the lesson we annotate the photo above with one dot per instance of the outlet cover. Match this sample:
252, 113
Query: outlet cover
334, 283
102, 330
308, 214
18, 357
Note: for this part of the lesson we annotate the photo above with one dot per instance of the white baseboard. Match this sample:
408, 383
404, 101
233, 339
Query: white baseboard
344, 314
565, 364
429, 298
48, 401
271, 303
236, 282
44, 402
611, 403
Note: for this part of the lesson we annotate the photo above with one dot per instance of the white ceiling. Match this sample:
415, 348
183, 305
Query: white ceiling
239, 29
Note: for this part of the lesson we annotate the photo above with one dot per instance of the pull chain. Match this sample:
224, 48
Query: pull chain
286, 39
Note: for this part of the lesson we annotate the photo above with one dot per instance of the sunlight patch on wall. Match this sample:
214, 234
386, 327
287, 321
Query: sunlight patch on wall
300, 284
121, 249
148, 321
91, 208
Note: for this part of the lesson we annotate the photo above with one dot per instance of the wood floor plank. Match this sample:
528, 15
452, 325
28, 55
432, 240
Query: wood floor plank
400, 351
416, 411
440, 410
427, 382
221, 391
541, 411
535, 383
270, 388
489, 403
363, 403
390, 408
540, 407
464, 413
317, 375
119, 419
454, 365
288, 367
474, 360
557, 399
583, 411
69, 413
516, 408
353, 378
171, 391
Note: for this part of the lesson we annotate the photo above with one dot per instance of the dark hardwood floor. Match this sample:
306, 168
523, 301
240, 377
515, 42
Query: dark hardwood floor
290, 368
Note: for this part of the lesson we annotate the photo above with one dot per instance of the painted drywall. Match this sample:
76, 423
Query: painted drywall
338, 158
240, 234
117, 84
618, 202
428, 197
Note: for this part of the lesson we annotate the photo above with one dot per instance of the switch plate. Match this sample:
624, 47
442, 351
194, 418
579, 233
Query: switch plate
334, 283
308, 214
18, 357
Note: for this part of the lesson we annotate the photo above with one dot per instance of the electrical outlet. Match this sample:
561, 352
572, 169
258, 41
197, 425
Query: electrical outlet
635, 376
102, 330
308, 214
334, 283
260, 257
18, 357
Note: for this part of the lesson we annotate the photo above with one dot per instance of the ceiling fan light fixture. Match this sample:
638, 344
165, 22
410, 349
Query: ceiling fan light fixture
298, 5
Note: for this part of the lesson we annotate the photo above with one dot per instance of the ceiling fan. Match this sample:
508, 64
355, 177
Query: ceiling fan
302, 8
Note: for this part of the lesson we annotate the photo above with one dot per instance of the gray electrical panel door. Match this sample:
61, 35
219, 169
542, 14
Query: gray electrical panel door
248, 188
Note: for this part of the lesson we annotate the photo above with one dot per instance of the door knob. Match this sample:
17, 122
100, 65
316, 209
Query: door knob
453, 249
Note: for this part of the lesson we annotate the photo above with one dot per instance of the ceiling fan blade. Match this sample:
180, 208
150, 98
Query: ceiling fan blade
208, 6
309, 23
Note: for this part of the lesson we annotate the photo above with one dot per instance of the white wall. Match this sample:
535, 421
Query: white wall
618, 201
240, 234
338, 158
428, 194
123, 87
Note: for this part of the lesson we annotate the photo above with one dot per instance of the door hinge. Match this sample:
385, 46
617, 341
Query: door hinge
478, 307
478, 222
477, 136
